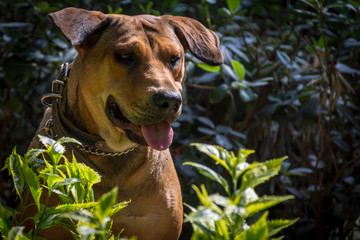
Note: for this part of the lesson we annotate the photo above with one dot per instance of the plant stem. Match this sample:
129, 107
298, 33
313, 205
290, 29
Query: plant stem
37, 229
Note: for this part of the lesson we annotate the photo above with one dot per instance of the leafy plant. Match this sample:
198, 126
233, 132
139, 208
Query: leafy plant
227, 217
37, 178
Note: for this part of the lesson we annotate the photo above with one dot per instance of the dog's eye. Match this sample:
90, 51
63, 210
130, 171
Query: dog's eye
174, 61
127, 59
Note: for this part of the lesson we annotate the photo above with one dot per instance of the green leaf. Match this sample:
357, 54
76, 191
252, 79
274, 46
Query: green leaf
257, 231
243, 154
218, 93
208, 122
59, 149
199, 236
5, 223
202, 195
87, 232
284, 58
33, 182
106, 203
73, 207
89, 174
43, 6
51, 178
68, 140
233, 4
32, 154
64, 197
208, 68
211, 174
300, 171
203, 215
258, 173
46, 141
239, 69
224, 12
206, 131
277, 225
117, 207
247, 196
264, 203
67, 181
222, 229
48, 219
16, 233
215, 152
247, 95
13, 163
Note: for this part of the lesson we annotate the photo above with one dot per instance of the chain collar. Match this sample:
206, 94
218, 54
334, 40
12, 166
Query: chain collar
58, 95
98, 152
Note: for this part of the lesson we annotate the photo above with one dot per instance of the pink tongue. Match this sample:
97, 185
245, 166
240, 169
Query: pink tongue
159, 135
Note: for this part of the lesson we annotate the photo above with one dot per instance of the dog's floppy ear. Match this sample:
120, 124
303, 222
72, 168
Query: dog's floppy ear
78, 25
202, 42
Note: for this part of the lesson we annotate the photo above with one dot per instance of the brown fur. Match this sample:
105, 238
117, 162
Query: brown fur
146, 176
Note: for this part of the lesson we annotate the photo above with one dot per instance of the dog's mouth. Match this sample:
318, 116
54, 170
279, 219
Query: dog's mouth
157, 135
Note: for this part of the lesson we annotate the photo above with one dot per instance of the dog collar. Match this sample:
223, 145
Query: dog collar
59, 126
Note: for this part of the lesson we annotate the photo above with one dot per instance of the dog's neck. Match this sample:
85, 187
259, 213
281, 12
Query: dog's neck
75, 102
76, 109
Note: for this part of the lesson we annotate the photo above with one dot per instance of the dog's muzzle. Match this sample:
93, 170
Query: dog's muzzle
151, 125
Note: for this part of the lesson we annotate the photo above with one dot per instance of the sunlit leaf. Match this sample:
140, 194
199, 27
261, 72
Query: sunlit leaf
117, 207
208, 68
233, 4
68, 140
277, 225
72, 207
215, 152
258, 173
5, 223
106, 203
264, 203
239, 69
46, 141
209, 173
32, 154
16, 233
257, 231
51, 178
33, 182
13, 162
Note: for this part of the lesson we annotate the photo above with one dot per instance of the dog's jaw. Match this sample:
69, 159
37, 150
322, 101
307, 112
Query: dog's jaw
158, 135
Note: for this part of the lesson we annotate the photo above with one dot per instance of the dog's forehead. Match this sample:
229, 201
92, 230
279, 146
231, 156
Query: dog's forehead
146, 27
141, 23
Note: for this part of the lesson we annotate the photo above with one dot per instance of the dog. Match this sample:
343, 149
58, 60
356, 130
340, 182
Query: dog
118, 98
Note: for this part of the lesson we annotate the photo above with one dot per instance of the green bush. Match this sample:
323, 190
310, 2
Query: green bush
226, 217
71, 182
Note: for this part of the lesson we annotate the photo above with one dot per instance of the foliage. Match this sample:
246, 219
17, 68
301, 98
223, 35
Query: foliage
289, 86
71, 182
226, 217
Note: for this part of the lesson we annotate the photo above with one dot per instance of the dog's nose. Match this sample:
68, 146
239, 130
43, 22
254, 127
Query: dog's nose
167, 100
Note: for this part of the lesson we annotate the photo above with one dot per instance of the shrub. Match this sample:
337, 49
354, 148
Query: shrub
226, 217
71, 181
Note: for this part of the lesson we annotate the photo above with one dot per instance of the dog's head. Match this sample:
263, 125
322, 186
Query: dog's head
125, 84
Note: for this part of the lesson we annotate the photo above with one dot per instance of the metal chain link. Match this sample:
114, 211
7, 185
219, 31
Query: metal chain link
99, 152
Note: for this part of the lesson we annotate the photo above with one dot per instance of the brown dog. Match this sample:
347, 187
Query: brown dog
119, 97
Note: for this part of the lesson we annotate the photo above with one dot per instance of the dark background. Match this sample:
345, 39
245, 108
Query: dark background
300, 96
